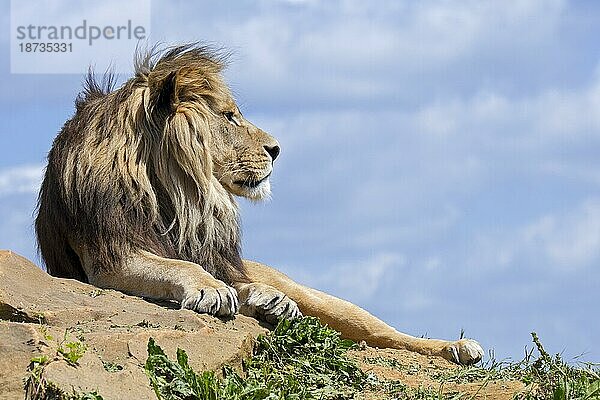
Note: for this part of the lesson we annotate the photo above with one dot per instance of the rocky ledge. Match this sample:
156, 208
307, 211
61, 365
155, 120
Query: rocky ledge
60, 338
104, 331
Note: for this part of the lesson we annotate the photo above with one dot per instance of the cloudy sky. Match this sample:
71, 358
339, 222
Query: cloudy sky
440, 162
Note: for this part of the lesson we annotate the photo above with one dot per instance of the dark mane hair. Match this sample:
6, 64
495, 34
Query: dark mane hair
132, 171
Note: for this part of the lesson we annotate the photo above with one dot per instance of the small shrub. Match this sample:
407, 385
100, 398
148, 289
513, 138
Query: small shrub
72, 351
300, 359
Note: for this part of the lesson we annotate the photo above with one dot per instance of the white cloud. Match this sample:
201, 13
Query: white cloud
539, 120
339, 53
409, 178
586, 172
567, 113
16, 227
358, 281
425, 226
561, 242
362, 280
574, 240
20, 179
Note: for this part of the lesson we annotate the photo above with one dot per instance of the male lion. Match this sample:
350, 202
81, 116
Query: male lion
139, 192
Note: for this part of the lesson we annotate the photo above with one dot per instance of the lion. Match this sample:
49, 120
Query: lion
139, 196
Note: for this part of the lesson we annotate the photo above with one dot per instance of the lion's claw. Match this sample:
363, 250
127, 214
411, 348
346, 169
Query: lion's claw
220, 302
464, 352
267, 303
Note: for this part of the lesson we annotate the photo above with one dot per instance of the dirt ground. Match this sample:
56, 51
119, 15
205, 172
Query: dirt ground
432, 375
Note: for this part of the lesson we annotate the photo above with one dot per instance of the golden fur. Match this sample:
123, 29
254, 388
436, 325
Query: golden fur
134, 169
139, 192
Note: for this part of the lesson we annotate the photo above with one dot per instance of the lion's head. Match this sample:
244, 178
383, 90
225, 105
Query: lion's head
186, 88
154, 165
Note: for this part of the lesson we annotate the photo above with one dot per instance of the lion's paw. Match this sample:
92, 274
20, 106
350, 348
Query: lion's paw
266, 303
464, 352
220, 302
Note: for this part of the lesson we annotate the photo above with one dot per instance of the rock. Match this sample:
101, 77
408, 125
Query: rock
18, 344
420, 372
109, 332
40, 313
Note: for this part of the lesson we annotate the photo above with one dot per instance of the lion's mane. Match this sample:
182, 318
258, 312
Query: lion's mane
132, 171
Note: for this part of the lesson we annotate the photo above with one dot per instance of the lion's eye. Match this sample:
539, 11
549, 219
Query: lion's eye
230, 116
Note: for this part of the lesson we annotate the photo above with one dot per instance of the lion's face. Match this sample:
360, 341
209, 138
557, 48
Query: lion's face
242, 154
188, 95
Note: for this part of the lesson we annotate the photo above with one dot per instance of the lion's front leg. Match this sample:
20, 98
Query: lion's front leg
265, 303
148, 275
357, 324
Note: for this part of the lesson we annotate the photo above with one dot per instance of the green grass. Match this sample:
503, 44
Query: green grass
552, 378
303, 359
546, 376
300, 359
111, 366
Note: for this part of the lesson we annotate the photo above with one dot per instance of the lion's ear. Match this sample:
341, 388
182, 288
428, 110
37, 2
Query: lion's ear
164, 93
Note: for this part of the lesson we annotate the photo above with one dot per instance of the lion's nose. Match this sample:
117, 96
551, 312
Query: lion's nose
273, 151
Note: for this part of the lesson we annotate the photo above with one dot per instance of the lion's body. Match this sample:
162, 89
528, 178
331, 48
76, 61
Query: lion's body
138, 196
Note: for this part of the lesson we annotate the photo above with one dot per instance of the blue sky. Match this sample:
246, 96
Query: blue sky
440, 160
